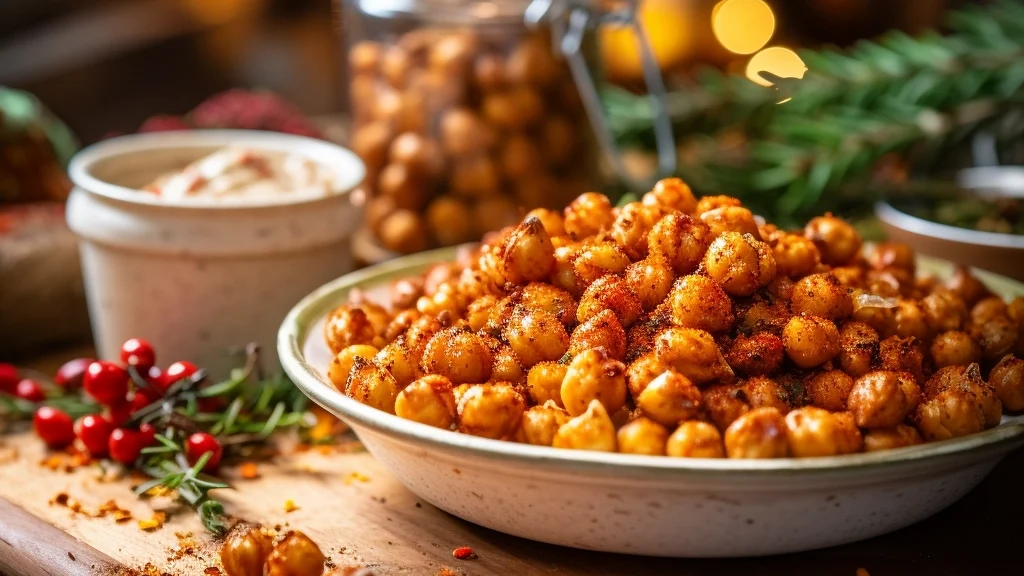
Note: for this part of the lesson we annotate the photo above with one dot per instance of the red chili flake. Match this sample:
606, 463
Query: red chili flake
464, 553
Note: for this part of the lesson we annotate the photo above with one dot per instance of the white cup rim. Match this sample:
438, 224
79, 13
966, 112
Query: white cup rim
350, 169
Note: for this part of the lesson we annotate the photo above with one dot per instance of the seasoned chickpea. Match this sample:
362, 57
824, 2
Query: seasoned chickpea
692, 353
910, 320
949, 414
902, 355
882, 399
641, 336
295, 555
528, 253
763, 317
558, 139
725, 403
347, 326
540, 296
763, 392
650, 280
795, 256
780, 290
695, 439
536, 336
642, 371
759, 433
1007, 380
372, 385
553, 222
816, 432
680, 240
594, 375
541, 423
341, 364
544, 382
759, 354
944, 311
603, 331
899, 436
564, 275
463, 133
671, 194
429, 401
708, 203
988, 309
642, 436
821, 295
632, 226
892, 255
478, 313
810, 341
397, 358
588, 214
997, 337
740, 263
245, 550
967, 287
859, 347
829, 389
954, 348
517, 108
700, 302
731, 219
609, 293
670, 399
461, 356
836, 240
490, 410
592, 430
966, 383
506, 366
596, 260
450, 221
403, 231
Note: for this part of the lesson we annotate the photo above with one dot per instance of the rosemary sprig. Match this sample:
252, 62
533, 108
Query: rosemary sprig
191, 484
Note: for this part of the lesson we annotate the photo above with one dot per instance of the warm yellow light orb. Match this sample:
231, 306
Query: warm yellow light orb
777, 60
742, 26
667, 24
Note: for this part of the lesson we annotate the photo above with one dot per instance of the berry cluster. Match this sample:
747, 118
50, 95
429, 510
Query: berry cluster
238, 109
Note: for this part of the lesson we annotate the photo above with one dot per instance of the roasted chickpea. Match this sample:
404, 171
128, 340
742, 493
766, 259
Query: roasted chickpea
398, 359
609, 293
517, 108
763, 317
780, 291
528, 253
429, 401
463, 133
346, 326
295, 555
899, 436
641, 336
671, 194
536, 336
997, 337
541, 423
531, 62
490, 410
858, 348
403, 231
740, 263
725, 403
810, 340
594, 375
708, 203
632, 226
892, 255
966, 383
450, 221
592, 430
540, 296
544, 382
759, 433
596, 260
399, 182
558, 139
564, 275
680, 240
967, 287
795, 256
829, 389
642, 436
371, 143
882, 399
519, 157
461, 356
695, 439
553, 221
988, 309
650, 280
506, 366
642, 371
670, 399
821, 295
944, 311
949, 414
700, 302
836, 240
954, 348
763, 392
341, 364
603, 331
815, 432
372, 385
588, 214
692, 353
245, 550
1007, 380
910, 320
731, 219
902, 355
759, 354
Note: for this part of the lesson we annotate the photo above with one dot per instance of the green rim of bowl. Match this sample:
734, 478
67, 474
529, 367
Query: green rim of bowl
296, 326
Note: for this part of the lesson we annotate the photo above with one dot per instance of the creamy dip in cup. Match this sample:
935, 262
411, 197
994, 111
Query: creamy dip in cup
217, 262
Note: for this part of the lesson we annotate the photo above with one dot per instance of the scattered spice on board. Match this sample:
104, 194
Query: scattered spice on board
290, 505
356, 477
464, 553
154, 523
446, 571
212, 571
249, 471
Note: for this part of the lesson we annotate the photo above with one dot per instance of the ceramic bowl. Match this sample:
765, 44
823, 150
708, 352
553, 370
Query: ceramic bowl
646, 505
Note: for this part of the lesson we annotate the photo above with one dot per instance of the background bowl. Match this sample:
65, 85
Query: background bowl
647, 505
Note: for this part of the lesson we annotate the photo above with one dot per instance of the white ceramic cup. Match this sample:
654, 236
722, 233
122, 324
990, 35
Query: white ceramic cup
199, 278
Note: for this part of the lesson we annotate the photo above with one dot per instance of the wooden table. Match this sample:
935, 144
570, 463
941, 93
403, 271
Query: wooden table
360, 515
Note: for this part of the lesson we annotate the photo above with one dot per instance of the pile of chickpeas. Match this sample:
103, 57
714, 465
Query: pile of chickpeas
684, 327
459, 129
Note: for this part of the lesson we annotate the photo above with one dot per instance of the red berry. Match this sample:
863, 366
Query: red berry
148, 432
94, 432
54, 427
106, 382
139, 353
30, 390
69, 376
126, 445
118, 414
200, 443
177, 371
8, 378
144, 397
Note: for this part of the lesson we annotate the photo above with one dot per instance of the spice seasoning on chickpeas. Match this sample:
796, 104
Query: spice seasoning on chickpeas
682, 334
461, 129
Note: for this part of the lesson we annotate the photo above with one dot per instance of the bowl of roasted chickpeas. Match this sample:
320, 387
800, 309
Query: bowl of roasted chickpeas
672, 377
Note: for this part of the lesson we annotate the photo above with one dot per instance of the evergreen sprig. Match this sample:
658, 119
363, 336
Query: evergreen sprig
807, 145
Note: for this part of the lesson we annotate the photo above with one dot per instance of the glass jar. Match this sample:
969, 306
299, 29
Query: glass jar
464, 116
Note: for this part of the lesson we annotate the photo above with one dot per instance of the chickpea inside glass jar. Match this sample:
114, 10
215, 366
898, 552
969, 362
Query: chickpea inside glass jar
465, 119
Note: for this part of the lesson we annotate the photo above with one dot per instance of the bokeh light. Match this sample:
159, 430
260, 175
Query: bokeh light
777, 60
667, 24
743, 26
